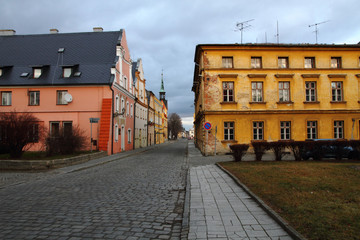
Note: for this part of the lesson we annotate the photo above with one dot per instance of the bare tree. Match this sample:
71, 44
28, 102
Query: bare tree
19, 131
174, 125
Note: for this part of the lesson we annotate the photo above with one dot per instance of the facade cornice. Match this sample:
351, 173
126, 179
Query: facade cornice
123, 90
312, 111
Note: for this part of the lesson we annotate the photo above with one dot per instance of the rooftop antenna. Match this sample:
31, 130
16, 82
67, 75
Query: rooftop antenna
316, 28
277, 32
243, 25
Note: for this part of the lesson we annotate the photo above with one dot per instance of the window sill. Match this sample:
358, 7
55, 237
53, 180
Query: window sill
289, 102
228, 102
309, 102
257, 102
337, 101
229, 141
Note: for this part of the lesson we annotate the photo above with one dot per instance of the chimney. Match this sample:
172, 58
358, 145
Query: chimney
7, 32
98, 29
54, 31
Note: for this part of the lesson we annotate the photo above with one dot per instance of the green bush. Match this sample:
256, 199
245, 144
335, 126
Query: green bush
239, 151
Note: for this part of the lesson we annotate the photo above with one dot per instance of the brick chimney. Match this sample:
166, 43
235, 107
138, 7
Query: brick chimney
7, 32
98, 29
54, 31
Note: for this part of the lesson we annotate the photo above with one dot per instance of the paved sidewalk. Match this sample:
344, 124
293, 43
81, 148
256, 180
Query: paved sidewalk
220, 209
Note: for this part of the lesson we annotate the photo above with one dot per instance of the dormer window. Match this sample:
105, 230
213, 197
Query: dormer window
37, 72
1, 72
67, 71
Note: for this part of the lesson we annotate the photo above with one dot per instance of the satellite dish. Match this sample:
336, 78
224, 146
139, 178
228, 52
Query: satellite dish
68, 98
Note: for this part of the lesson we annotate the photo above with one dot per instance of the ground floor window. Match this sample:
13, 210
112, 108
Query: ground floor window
311, 130
228, 131
285, 130
338, 129
258, 130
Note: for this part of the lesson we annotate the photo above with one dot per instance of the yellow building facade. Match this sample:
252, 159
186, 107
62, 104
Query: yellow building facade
275, 92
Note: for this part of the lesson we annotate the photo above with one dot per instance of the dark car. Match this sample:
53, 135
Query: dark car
327, 150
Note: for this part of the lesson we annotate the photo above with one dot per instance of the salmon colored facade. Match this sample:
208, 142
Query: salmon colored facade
98, 87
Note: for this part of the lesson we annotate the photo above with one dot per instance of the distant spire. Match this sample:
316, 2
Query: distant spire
162, 89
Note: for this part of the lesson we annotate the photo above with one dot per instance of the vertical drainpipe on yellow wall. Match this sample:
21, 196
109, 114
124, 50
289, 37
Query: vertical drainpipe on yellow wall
134, 125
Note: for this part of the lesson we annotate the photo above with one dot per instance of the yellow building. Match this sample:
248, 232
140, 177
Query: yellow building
275, 92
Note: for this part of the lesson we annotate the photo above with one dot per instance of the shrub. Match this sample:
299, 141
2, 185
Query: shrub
355, 145
239, 151
259, 148
340, 148
66, 142
19, 131
298, 149
278, 149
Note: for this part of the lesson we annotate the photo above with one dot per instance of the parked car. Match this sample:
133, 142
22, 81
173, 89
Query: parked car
328, 150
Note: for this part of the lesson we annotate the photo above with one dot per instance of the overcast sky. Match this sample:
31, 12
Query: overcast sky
164, 33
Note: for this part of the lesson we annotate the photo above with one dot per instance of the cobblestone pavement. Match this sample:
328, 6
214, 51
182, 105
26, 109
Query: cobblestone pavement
137, 197
220, 209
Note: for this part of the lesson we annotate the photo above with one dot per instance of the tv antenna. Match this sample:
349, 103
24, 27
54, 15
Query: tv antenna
316, 28
277, 32
243, 25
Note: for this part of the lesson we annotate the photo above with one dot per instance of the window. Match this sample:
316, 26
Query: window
309, 62
34, 98
131, 110
116, 133
125, 82
67, 128
335, 62
256, 62
37, 72
338, 129
127, 109
122, 105
60, 100
33, 133
129, 135
284, 91
258, 130
257, 91
1, 72
285, 130
67, 71
310, 91
6, 98
336, 91
227, 62
283, 62
54, 129
117, 103
311, 130
228, 131
228, 91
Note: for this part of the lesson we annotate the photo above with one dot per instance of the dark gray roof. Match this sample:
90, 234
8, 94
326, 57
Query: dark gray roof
93, 54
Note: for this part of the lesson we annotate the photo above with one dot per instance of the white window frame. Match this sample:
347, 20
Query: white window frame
229, 131
284, 91
311, 130
256, 92
67, 72
285, 130
309, 62
37, 72
283, 62
227, 62
34, 98
117, 102
116, 133
129, 135
338, 129
60, 97
256, 62
310, 91
228, 91
6, 98
258, 130
337, 89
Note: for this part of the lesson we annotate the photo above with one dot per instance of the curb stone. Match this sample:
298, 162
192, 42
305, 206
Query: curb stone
290, 230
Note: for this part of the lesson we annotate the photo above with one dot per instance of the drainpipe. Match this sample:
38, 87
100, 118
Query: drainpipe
134, 125
112, 120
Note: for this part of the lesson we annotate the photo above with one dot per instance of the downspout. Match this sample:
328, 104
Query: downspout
112, 120
134, 126
147, 126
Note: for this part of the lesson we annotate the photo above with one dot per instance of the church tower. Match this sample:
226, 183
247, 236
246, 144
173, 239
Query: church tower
162, 91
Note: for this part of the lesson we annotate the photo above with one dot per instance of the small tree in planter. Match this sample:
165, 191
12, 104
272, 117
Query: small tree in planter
239, 151
259, 148
278, 149
355, 145
340, 148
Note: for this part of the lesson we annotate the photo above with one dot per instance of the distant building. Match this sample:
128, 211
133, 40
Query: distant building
275, 92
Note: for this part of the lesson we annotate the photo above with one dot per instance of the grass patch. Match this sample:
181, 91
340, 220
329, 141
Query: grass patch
41, 156
321, 200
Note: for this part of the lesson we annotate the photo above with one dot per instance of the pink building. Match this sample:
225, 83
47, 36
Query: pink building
68, 79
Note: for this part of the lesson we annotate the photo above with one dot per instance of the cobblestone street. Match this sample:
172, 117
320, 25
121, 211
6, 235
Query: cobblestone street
138, 197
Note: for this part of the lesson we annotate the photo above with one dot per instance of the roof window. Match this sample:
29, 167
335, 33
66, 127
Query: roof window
25, 74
